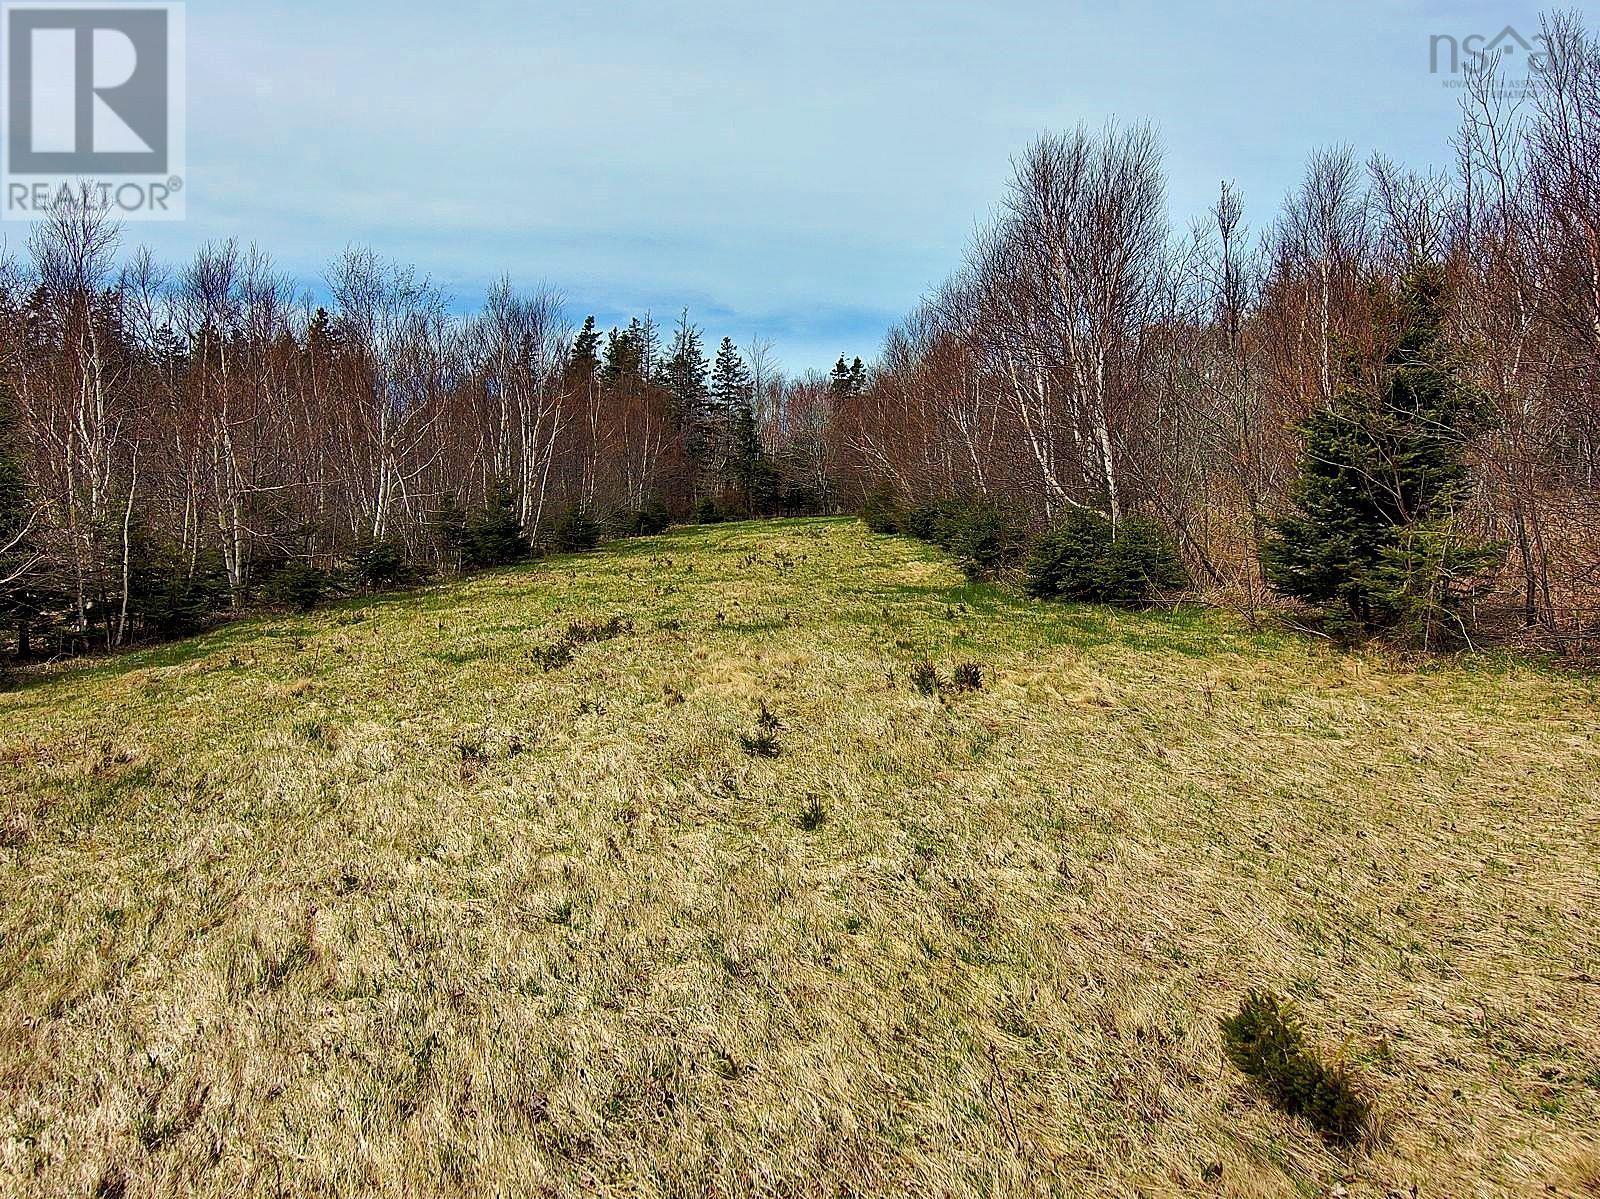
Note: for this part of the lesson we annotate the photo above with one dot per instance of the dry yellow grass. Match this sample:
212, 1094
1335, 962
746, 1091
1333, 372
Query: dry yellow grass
368, 903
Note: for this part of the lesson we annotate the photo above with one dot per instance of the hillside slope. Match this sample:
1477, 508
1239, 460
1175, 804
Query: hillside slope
373, 902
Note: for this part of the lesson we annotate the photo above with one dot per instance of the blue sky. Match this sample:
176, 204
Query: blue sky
802, 171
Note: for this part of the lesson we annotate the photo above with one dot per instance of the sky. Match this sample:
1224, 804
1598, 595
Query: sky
798, 172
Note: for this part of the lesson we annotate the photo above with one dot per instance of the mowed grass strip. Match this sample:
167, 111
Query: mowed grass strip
391, 899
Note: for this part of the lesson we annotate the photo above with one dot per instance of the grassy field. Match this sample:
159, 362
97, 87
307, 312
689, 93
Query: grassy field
372, 902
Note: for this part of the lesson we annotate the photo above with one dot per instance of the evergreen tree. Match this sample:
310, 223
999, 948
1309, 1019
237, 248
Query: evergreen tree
839, 378
1372, 537
630, 352
448, 529
847, 379
683, 374
738, 452
755, 475
685, 369
584, 362
730, 381
494, 537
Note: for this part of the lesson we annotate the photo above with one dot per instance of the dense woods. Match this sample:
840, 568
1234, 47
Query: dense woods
1384, 401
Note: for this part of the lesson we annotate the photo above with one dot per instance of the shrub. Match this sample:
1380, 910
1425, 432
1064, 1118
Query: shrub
298, 586
171, 595
983, 540
812, 814
581, 632
576, 530
1065, 562
931, 522
652, 517
708, 511
880, 510
448, 530
1266, 1041
494, 537
381, 564
553, 656
1140, 565
968, 676
1083, 559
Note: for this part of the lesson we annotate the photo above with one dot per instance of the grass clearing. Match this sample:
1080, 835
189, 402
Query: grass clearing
371, 901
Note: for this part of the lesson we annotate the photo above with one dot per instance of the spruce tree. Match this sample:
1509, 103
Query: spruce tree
495, 537
630, 352
685, 370
584, 362
1372, 537
683, 374
839, 379
730, 381
737, 452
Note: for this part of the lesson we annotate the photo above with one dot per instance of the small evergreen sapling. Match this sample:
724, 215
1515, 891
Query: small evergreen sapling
1266, 1041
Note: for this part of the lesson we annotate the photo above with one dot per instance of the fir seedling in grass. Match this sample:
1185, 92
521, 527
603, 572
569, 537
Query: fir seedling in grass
1267, 1042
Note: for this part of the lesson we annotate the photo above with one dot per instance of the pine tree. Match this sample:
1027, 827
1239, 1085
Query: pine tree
1372, 537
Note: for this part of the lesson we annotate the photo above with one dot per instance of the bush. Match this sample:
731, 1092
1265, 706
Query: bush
1082, 559
983, 540
1266, 1041
171, 596
708, 512
448, 530
925, 678
762, 742
1065, 562
880, 510
931, 522
494, 537
576, 530
643, 521
1140, 565
298, 586
968, 676
381, 564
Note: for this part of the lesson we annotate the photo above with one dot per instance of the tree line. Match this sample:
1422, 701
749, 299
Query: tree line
1383, 402
178, 444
